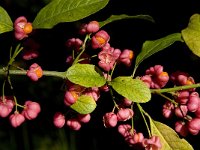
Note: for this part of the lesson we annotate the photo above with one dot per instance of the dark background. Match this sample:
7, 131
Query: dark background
40, 134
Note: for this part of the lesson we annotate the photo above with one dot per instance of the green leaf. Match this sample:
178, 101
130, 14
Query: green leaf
191, 34
133, 89
169, 138
85, 75
84, 105
113, 18
58, 11
151, 47
6, 23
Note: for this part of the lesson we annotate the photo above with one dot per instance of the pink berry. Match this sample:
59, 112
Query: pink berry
16, 119
152, 143
124, 129
35, 72
74, 124
168, 109
82, 29
194, 126
59, 120
108, 58
124, 114
181, 111
182, 97
110, 119
30, 54
93, 92
138, 138
193, 102
70, 97
92, 27
100, 39
126, 57
31, 110
158, 76
167, 113
6, 106
74, 43
197, 112
84, 118
22, 28
147, 80
127, 102
181, 128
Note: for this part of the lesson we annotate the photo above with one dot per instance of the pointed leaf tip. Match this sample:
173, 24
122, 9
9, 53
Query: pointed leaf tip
191, 34
58, 11
6, 23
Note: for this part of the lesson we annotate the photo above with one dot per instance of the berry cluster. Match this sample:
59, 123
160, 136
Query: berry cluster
72, 94
137, 140
184, 104
108, 56
30, 110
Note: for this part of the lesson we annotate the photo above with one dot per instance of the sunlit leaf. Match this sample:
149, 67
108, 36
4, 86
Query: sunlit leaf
113, 18
151, 47
84, 105
85, 75
58, 11
169, 138
133, 89
191, 34
6, 23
